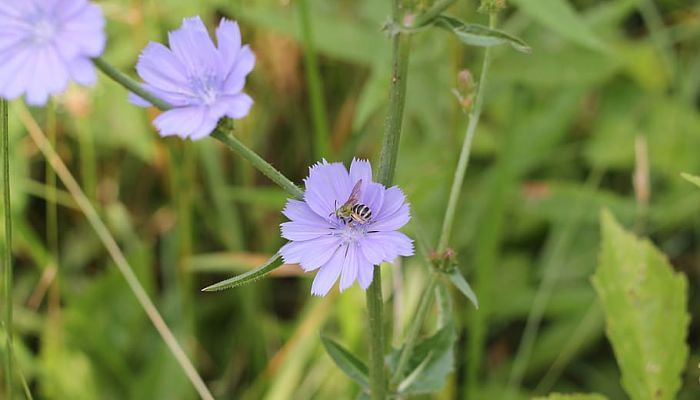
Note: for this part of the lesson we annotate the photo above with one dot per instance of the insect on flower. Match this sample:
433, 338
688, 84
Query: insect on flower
345, 243
352, 209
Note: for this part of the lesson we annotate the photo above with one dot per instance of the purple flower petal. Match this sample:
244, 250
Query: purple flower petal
365, 271
294, 230
45, 44
82, 71
329, 273
235, 80
237, 106
350, 268
344, 248
180, 121
196, 73
327, 187
394, 221
194, 48
394, 244
310, 254
228, 38
360, 169
159, 66
393, 200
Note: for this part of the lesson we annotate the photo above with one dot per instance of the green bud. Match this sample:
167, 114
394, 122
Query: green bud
492, 6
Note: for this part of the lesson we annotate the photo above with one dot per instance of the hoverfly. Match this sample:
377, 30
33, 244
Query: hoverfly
352, 209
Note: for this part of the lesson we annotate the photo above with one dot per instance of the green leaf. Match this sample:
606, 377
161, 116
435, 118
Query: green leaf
458, 280
479, 35
691, 178
432, 360
575, 396
353, 367
644, 302
250, 276
560, 16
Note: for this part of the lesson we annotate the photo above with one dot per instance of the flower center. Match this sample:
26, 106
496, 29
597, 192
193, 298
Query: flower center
204, 88
351, 232
43, 31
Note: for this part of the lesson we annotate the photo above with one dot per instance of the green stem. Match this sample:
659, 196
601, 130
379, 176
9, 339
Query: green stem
427, 295
463, 162
423, 306
223, 132
401, 45
7, 246
375, 302
315, 85
261, 165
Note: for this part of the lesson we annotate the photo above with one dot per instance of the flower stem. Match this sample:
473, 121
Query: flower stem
223, 132
315, 86
401, 45
466, 149
7, 246
429, 291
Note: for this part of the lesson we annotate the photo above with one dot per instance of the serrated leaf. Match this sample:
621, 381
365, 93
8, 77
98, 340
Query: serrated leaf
431, 361
574, 396
458, 280
691, 178
248, 277
561, 17
644, 302
479, 35
353, 367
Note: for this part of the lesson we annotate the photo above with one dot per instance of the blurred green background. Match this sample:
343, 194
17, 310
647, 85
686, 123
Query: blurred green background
605, 112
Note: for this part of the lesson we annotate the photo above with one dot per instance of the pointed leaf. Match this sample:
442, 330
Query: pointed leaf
644, 302
248, 277
574, 396
691, 178
353, 367
432, 360
479, 35
458, 280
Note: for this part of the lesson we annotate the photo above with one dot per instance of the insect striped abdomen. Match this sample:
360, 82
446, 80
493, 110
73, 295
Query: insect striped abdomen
361, 213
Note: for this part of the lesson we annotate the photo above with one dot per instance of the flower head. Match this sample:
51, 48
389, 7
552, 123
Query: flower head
202, 81
46, 43
339, 246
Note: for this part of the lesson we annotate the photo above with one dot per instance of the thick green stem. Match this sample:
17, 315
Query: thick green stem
428, 292
401, 44
7, 246
423, 306
375, 303
397, 100
222, 132
315, 86
463, 162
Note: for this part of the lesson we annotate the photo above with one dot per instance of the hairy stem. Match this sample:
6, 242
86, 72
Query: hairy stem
313, 77
223, 132
7, 246
401, 45
428, 292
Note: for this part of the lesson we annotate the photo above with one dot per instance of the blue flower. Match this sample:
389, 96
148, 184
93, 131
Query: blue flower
44, 44
202, 81
341, 247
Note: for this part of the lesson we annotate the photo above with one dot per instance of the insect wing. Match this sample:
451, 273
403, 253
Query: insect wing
355, 194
